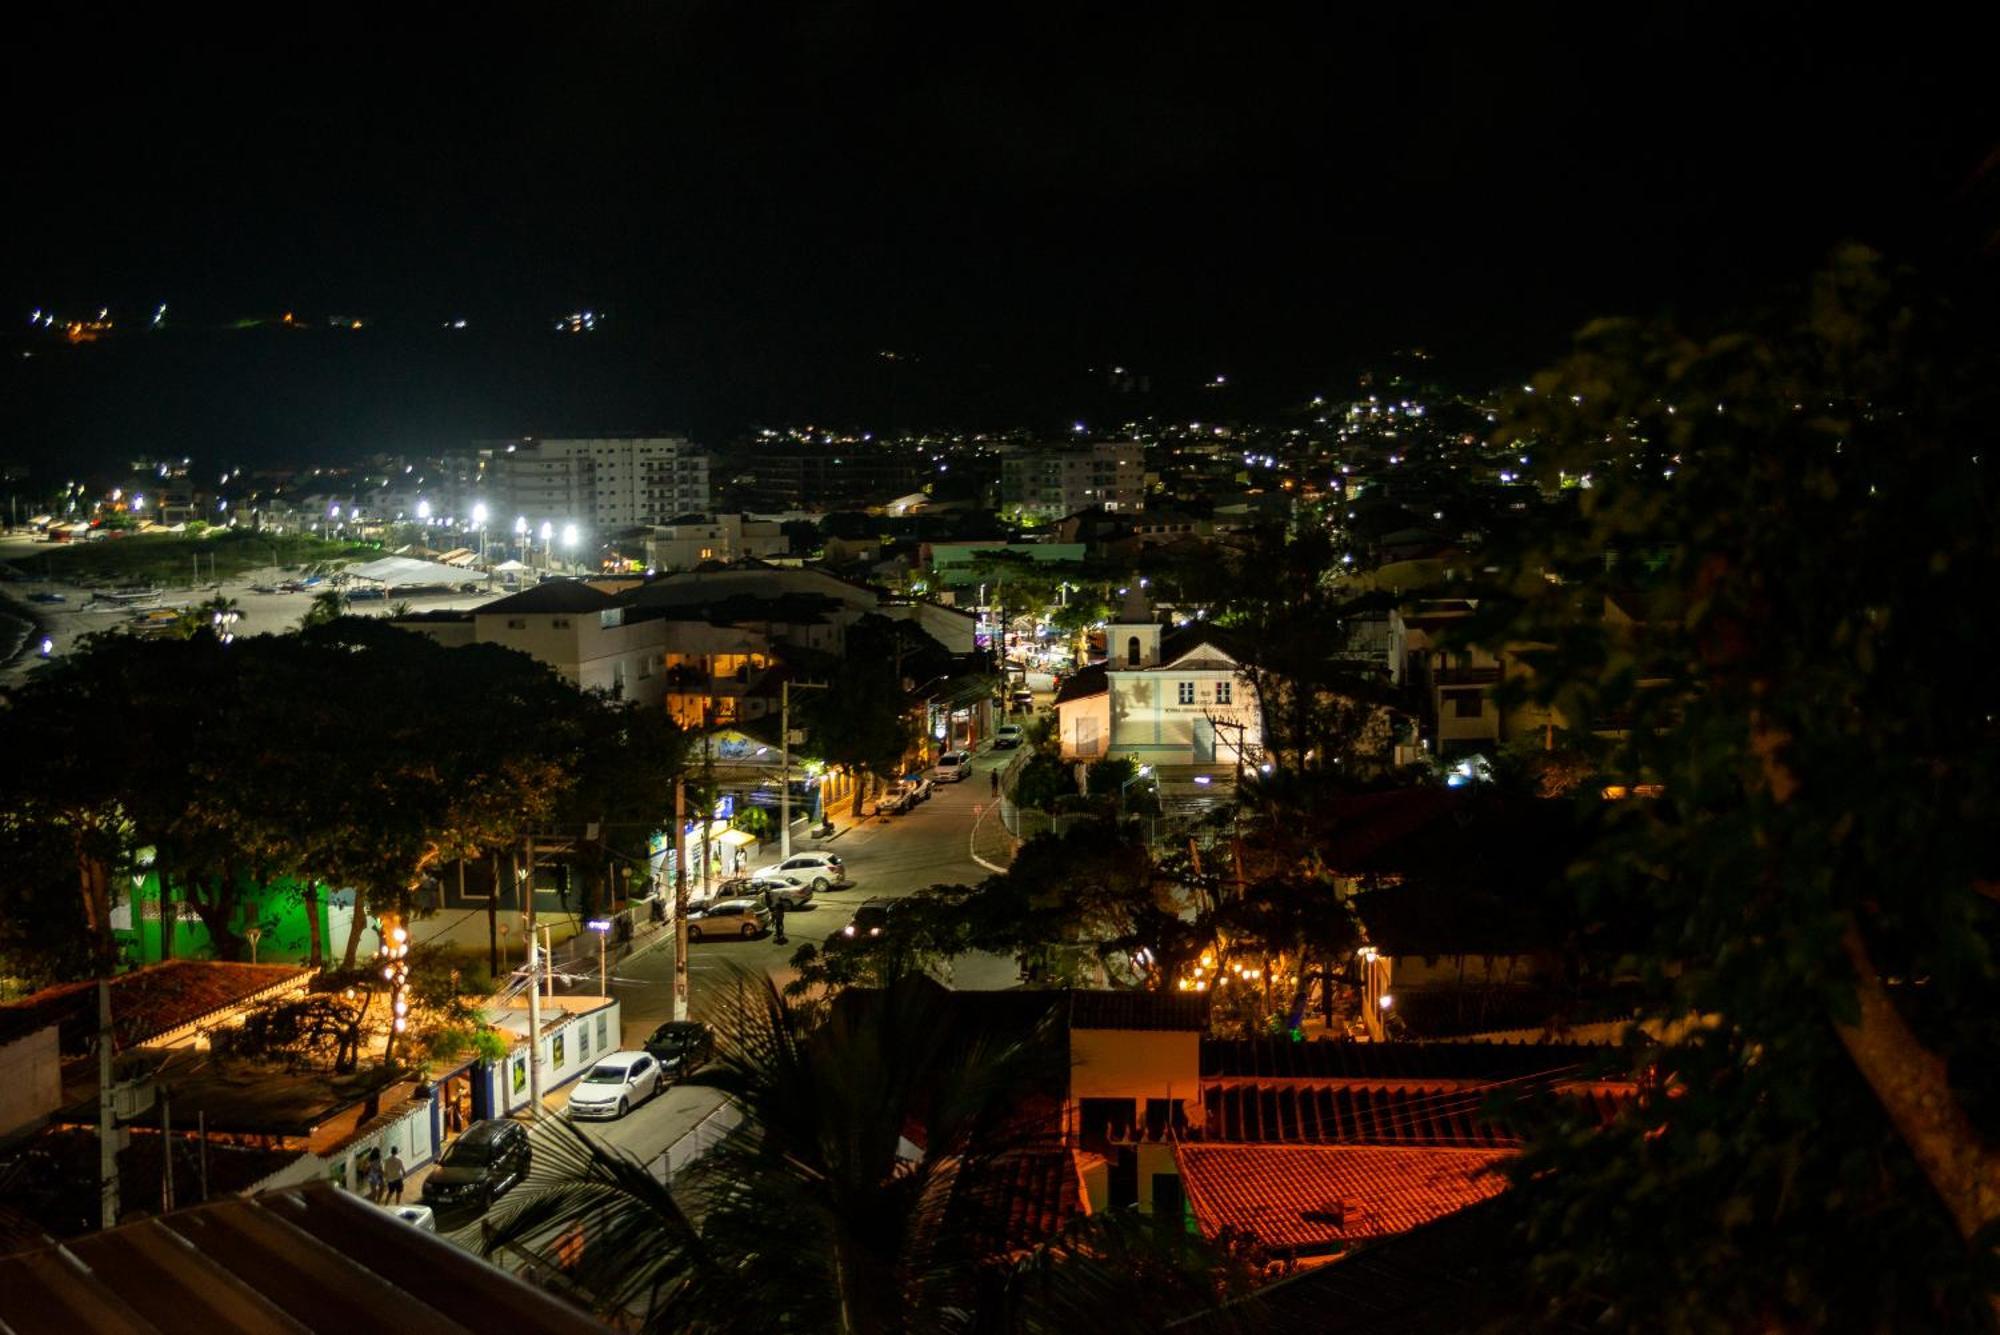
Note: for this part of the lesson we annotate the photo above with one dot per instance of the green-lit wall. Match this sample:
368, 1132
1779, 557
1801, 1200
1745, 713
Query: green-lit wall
278, 908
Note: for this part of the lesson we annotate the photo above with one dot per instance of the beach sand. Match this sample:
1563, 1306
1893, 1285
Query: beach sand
66, 622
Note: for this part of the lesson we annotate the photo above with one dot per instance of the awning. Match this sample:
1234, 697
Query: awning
395, 570
735, 838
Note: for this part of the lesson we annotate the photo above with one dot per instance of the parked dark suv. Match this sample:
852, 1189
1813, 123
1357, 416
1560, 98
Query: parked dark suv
480, 1165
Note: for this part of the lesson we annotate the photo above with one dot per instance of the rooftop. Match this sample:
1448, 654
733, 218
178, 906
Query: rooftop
1308, 1198
551, 595
311, 1258
149, 1004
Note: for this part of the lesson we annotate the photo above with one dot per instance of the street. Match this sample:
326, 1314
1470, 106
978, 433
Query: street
886, 857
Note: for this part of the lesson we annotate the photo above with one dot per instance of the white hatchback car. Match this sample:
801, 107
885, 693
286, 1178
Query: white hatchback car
616, 1085
952, 767
818, 870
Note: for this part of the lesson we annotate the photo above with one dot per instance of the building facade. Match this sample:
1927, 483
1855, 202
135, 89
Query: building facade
605, 482
1055, 481
1161, 699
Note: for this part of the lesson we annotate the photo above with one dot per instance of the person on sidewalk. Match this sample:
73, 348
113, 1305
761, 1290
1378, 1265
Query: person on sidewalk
996, 783
778, 919
393, 1173
371, 1175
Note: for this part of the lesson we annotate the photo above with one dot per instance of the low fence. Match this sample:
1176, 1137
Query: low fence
696, 1141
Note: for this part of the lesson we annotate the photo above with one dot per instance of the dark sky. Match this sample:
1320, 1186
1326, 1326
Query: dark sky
761, 198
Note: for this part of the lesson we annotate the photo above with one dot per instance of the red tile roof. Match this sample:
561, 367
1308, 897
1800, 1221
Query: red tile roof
1265, 1059
1014, 1202
1305, 1198
146, 1003
1296, 1112
1092, 1009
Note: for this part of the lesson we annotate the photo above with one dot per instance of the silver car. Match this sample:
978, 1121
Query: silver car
616, 1085
728, 917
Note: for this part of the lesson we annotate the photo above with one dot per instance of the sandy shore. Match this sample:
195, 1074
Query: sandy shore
66, 622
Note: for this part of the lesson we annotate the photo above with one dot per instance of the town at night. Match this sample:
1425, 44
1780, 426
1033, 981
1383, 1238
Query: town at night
862, 668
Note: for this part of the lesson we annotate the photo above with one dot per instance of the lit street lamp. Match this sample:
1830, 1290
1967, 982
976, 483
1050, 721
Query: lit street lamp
602, 926
569, 544
1144, 770
548, 537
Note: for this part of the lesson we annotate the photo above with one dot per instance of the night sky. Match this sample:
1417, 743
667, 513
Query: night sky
759, 200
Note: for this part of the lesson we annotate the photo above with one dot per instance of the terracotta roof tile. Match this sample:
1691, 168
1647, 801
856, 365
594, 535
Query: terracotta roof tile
145, 1003
1282, 1059
1015, 1202
1138, 1010
1304, 1198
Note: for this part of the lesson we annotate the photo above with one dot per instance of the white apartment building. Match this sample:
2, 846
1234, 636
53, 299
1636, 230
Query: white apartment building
605, 482
1058, 480
715, 538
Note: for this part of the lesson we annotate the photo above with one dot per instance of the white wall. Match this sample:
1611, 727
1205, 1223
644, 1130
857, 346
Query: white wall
30, 1079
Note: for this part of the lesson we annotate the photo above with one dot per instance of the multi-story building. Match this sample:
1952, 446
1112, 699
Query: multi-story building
683, 546
605, 482
1054, 481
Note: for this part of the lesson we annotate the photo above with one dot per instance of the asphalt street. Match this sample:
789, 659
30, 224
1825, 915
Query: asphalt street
886, 857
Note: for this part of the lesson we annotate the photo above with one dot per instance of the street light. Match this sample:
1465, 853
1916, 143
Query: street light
479, 523
569, 544
548, 536
602, 926
1144, 770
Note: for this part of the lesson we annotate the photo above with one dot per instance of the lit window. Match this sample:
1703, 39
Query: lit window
1222, 692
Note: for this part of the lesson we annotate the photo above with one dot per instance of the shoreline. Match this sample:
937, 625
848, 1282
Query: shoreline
14, 608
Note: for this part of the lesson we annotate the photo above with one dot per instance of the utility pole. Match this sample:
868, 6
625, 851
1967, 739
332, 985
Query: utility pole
785, 765
707, 795
107, 1149
680, 901
534, 989
166, 1151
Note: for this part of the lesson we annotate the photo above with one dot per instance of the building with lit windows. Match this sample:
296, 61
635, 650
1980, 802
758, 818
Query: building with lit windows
1053, 481
604, 482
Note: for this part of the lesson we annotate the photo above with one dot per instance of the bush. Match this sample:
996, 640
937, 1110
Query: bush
755, 821
1042, 780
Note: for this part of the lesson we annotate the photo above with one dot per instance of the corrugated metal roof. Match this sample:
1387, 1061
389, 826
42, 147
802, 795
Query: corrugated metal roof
310, 1258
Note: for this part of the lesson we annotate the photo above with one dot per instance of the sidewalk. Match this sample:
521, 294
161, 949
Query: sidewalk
992, 847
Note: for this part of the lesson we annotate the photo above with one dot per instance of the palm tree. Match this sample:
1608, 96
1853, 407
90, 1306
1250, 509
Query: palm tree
327, 605
833, 1208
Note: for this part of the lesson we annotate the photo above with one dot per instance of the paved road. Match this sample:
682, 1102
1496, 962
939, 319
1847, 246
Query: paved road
886, 856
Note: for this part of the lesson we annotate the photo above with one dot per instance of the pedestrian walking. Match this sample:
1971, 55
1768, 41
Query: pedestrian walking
371, 1175
996, 783
778, 919
392, 1174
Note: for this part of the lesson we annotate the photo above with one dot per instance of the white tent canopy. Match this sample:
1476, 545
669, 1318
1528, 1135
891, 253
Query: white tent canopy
511, 567
391, 571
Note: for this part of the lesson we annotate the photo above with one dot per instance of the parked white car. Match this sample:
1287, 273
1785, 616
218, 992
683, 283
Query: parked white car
818, 870
952, 767
616, 1085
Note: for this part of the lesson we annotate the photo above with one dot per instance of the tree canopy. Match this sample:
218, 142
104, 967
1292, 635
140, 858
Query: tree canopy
350, 754
1763, 602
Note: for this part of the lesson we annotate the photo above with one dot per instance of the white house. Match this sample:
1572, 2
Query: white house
1161, 698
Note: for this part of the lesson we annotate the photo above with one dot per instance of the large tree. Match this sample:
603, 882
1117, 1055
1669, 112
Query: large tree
1768, 598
